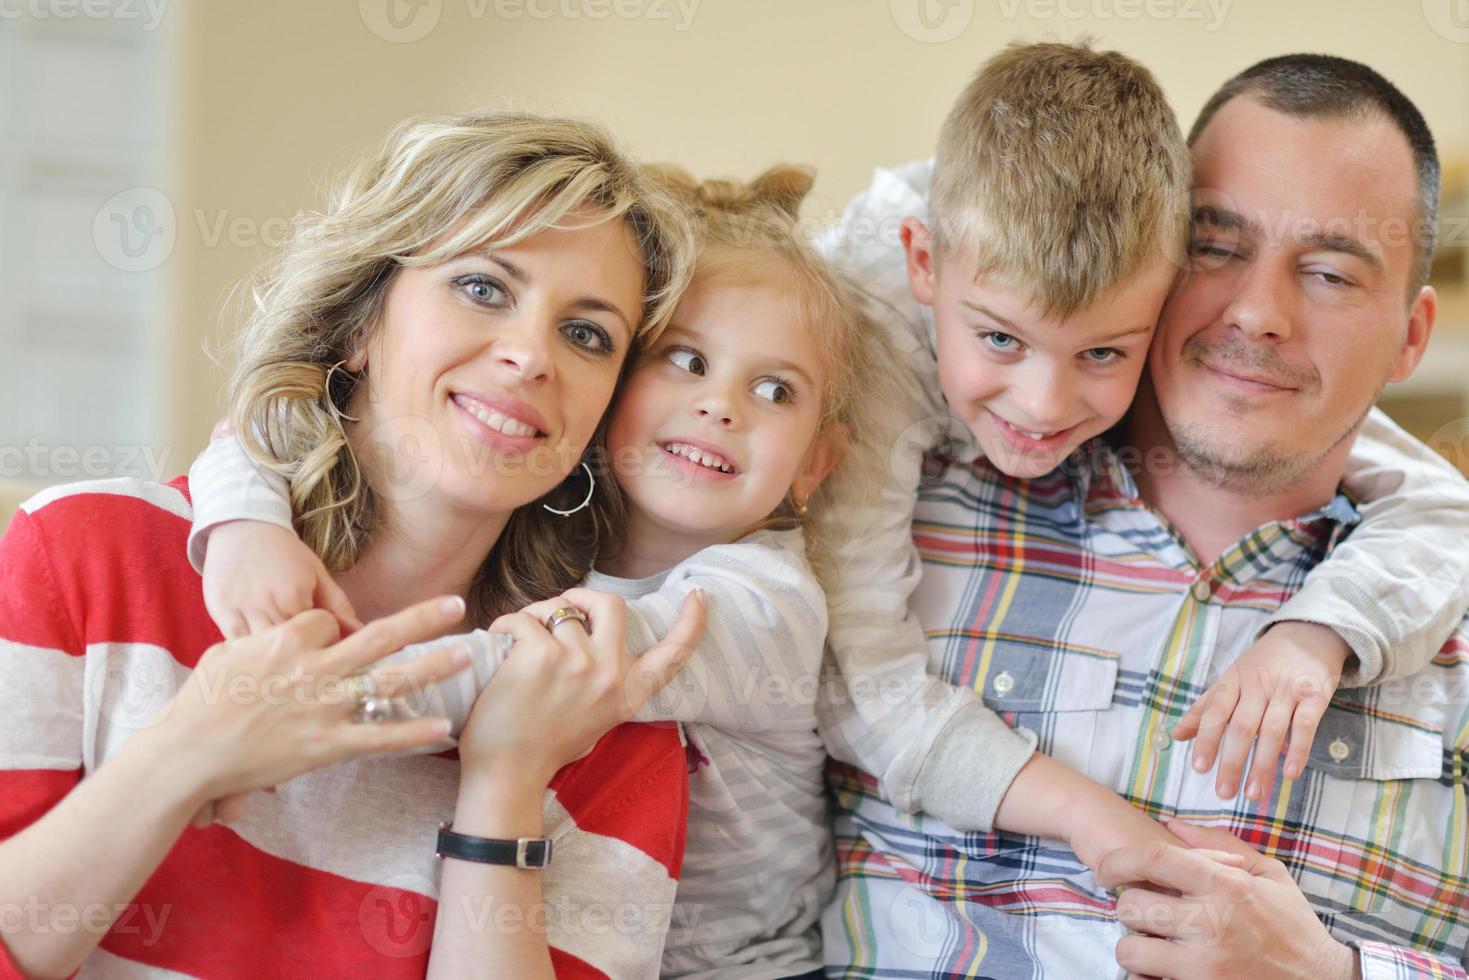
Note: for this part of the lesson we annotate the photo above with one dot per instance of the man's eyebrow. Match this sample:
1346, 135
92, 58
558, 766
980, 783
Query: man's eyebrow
1223, 218
1345, 244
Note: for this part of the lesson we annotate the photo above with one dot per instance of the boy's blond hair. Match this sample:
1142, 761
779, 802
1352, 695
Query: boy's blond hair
1061, 171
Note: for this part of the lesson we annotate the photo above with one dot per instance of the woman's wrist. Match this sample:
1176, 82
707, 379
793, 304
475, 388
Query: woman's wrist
504, 804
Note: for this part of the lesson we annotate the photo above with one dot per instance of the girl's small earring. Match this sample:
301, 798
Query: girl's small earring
328, 392
586, 502
802, 508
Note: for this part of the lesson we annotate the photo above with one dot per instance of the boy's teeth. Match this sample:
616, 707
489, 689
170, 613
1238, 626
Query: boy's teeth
697, 456
496, 421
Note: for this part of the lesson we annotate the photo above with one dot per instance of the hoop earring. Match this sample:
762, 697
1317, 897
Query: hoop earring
328, 391
591, 488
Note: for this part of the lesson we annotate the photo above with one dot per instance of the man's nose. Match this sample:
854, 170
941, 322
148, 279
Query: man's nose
1262, 307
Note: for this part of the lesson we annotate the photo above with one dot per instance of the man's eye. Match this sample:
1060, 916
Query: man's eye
996, 340
690, 361
776, 391
1209, 253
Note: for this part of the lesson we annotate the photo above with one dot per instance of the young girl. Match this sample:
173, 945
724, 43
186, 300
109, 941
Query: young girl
725, 430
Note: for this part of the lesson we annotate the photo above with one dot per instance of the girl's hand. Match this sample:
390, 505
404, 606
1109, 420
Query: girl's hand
1280, 685
557, 695
263, 709
258, 575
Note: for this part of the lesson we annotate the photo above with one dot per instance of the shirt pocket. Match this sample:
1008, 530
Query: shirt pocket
1056, 693
1377, 793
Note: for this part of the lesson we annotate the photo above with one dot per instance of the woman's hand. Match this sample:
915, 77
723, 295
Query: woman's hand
263, 709
557, 695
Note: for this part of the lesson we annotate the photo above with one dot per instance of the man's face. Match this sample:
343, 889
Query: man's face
1295, 309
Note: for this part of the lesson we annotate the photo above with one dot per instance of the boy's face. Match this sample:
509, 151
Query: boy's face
1031, 385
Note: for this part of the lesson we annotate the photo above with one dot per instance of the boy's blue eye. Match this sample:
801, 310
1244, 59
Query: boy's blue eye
1103, 355
776, 391
588, 336
690, 361
1003, 342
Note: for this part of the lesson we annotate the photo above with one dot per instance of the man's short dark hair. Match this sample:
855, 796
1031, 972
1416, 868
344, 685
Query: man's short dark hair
1324, 86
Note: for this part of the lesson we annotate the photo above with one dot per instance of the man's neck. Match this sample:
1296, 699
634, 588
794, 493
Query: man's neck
1212, 518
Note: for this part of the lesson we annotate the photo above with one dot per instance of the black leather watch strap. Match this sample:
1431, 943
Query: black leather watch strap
522, 852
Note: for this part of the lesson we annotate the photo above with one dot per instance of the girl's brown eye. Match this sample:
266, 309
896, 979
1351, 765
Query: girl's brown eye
687, 359
776, 391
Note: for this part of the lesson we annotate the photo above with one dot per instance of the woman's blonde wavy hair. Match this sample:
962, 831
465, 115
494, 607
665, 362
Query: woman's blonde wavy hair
751, 234
438, 187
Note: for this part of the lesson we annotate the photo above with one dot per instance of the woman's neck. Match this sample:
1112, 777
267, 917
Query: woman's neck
420, 550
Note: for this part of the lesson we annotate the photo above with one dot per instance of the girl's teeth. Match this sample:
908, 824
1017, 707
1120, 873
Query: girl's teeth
498, 422
694, 455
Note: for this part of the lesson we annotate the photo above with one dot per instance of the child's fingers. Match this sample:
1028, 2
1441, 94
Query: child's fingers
1188, 725
1239, 735
257, 621
1302, 733
329, 596
1222, 697
1273, 729
232, 625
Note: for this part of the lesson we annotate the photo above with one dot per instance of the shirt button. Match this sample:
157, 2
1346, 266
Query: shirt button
1161, 739
1339, 750
1004, 683
1201, 590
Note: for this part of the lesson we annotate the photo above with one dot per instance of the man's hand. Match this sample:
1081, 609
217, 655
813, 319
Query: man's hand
1195, 915
1280, 685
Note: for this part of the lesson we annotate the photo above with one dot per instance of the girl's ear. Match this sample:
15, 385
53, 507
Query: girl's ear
826, 451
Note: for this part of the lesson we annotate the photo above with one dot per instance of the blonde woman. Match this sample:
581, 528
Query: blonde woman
427, 364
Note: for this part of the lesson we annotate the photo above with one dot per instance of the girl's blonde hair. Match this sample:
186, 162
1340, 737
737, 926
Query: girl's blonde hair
750, 234
438, 187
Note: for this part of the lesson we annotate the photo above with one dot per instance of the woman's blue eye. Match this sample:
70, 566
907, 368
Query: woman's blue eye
588, 336
690, 361
483, 289
776, 391
1002, 342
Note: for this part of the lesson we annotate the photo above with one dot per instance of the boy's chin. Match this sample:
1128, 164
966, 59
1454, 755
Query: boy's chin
1025, 466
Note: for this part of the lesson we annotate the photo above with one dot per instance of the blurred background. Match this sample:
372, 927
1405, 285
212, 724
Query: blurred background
155, 151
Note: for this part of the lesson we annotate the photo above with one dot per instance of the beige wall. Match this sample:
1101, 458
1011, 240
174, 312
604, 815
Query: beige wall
272, 92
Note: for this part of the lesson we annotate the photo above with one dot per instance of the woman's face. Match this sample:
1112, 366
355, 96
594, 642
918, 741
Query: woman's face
490, 372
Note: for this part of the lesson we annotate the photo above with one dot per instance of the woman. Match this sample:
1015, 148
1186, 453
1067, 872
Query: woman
428, 363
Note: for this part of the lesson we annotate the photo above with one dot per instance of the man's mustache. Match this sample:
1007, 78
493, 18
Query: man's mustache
1254, 360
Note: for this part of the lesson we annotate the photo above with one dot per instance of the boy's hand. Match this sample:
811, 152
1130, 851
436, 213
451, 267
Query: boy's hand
257, 575
1281, 684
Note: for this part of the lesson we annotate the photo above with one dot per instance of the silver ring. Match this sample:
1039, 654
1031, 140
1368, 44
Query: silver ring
566, 614
371, 709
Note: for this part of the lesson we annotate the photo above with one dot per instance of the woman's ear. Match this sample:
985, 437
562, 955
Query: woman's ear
826, 451
356, 360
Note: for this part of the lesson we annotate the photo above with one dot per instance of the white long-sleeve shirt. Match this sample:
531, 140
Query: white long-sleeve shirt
757, 869
1394, 590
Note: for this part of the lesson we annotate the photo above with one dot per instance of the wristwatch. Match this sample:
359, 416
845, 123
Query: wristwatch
522, 852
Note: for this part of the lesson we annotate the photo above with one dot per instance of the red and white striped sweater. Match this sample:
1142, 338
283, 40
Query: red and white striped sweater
101, 616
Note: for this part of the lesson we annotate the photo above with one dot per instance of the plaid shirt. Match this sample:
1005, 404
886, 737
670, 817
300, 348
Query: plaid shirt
1072, 608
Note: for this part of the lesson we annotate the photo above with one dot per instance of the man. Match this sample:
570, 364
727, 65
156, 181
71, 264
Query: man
1146, 571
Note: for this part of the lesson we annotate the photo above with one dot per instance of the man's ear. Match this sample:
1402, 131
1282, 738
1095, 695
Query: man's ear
921, 259
1420, 327
826, 451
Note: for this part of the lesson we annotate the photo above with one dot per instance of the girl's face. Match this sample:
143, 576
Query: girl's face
490, 372
718, 423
